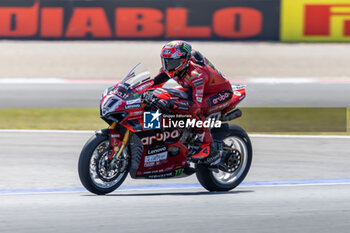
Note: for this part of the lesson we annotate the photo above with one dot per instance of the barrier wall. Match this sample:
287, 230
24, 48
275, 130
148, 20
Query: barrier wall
285, 20
140, 19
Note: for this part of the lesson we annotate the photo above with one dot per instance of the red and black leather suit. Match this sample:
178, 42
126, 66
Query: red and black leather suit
208, 91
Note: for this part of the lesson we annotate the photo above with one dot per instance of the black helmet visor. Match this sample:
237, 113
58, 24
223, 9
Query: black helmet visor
170, 64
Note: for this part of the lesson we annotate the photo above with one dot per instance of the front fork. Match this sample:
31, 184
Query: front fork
116, 143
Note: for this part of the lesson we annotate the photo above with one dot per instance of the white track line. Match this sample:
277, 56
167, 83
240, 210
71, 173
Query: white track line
45, 131
253, 80
298, 136
282, 80
250, 135
32, 80
53, 81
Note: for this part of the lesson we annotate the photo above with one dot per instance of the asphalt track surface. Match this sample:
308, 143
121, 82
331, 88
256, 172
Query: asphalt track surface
296, 184
258, 95
109, 59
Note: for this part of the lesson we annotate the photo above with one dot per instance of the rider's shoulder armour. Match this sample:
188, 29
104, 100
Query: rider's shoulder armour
198, 58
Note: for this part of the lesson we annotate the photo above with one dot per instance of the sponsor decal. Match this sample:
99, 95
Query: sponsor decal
132, 106
170, 174
118, 19
137, 113
123, 86
187, 48
156, 157
157, 150
237, 93
151, 120
160, 137
144, 86
199, 91
194, 75
135, 101
221, 97
238, 87
115, 135
179, 172
122, 94
315, 20
196, 84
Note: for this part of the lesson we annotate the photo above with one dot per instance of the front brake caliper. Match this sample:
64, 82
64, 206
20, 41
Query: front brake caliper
115, 143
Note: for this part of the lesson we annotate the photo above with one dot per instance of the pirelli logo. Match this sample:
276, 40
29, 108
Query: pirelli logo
327, 20
315, 20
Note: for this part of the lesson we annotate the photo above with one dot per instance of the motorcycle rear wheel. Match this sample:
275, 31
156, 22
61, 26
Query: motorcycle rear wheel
236, 138
94, 173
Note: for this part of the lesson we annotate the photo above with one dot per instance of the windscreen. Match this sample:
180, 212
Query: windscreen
136, 76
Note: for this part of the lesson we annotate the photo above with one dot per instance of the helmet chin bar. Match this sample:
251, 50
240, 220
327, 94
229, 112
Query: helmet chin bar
176, 70
181, 73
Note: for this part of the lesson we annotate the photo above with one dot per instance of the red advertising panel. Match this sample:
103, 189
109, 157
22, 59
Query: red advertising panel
139, 19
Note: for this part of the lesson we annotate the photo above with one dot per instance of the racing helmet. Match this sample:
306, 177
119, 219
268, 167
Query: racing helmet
175, 56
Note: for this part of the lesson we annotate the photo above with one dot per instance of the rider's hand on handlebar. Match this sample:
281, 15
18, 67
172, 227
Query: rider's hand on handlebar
163, 105
149, 98
153, 100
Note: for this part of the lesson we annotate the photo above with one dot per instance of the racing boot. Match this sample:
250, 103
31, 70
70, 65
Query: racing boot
207, 152
203, 152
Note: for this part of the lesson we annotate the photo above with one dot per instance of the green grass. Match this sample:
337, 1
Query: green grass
348, 120
51, 118
277, 119
257, 120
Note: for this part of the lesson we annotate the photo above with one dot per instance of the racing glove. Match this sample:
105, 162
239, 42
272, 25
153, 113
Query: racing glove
153, 100
149, 98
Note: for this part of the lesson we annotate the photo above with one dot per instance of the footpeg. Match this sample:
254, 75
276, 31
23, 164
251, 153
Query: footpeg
213, 160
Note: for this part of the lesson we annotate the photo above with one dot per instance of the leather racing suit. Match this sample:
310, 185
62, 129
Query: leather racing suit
209, 91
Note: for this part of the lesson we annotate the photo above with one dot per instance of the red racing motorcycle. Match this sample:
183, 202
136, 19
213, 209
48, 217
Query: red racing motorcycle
136, 142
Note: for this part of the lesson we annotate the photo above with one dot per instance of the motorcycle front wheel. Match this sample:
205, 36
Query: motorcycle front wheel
238, 145
97, 173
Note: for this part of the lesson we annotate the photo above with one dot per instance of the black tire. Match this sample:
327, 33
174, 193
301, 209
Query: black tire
84, 167
205, 175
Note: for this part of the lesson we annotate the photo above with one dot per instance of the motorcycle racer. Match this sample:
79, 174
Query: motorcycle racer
209, 91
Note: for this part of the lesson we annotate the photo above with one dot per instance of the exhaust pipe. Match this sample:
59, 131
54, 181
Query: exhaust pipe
232, 115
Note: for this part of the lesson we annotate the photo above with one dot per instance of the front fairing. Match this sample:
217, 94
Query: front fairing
122, 103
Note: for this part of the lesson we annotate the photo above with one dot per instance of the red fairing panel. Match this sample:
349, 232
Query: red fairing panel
158, 160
